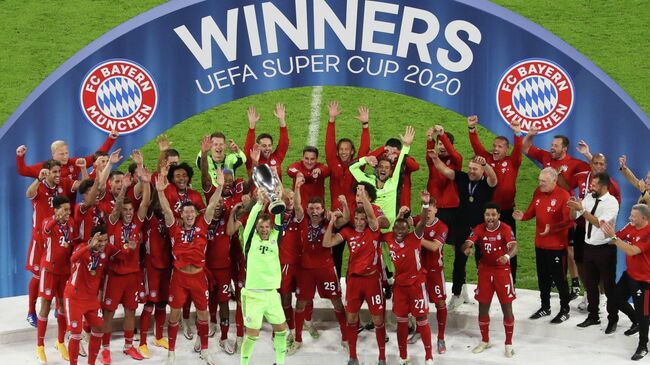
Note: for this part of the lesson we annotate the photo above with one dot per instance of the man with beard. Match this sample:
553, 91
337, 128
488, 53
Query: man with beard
122, 284
89, 262
339, 156
179, 191
363, 281
57, 234
313, 172
475, 188
599, 263
41, 192
442, 189
318, 272
496, 243
552, 221
391, 150
188, 236
268, 156
506, 168
218, 158
410, 295
385, 179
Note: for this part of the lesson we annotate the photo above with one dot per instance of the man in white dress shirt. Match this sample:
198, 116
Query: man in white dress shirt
599, 262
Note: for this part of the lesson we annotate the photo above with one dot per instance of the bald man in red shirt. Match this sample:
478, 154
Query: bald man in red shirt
553, 220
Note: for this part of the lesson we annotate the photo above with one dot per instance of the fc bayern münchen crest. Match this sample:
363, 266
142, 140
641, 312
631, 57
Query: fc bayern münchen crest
118, 95
536, 93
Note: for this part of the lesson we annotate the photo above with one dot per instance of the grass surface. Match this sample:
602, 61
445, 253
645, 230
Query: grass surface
39, 36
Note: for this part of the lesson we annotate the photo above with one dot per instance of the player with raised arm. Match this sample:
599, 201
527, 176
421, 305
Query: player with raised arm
260, 298
364, 273
188, 236
497, 245
217, 158
122, 284
268, 156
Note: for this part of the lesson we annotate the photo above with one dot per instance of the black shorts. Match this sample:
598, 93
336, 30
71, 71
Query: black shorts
449, 216
577, 241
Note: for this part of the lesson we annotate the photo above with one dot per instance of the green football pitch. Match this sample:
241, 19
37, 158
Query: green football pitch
38, 36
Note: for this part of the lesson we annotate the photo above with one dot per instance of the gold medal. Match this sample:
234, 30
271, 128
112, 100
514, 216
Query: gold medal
125, 246
93, 272
471, 199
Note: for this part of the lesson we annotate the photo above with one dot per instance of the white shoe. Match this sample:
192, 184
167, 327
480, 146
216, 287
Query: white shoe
404, 361
345, 345
187, 329
290, 338
227, 346
582, 306
465, 295
208, 357
311, 328
212, 330
509, 351
197, 344
454, 302
291, 350
481, 347
238, 343
171, 358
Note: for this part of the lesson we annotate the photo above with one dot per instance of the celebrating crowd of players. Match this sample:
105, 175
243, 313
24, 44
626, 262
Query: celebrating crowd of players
143, 237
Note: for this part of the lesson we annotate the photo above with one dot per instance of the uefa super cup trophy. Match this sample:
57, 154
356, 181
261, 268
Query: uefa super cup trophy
265, 179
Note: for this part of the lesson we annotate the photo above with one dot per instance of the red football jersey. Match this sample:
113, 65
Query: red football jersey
638, 266
217, 255
233, 197
568, 165
42, 201
276, 157
314, 183
441, 188
492, 244
157, 244
58, 245
550, 208
314, 255
290, 244
87, 219
364, 250
189, 245
119, 235
87, 270
406, 258
432, 260
176, 199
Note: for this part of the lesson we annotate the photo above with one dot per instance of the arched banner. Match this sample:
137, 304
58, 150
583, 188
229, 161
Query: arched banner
186, 56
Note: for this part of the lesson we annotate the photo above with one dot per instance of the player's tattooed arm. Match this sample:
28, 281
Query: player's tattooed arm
214, 199
32, 190
161, 184
330, 239
119, 200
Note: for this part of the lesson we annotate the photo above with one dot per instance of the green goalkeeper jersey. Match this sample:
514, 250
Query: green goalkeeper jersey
387, 195
263, 269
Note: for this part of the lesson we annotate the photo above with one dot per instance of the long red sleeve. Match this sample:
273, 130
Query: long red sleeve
248, 145
516, 152
454, 156
283, 144
330, 145
477, 146
28, 171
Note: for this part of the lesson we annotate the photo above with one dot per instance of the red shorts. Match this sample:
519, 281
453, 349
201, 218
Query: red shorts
410, 299
121, 289
290, 273
435, 284
494, 279
193, 286
51, 285
76, 310
368, 288
222, 287
34, 252
156, 284
323, 279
